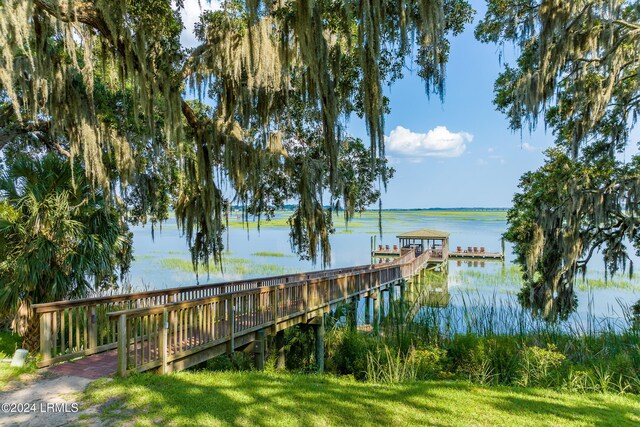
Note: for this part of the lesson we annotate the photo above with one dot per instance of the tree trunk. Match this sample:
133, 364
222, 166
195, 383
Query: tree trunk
27, 325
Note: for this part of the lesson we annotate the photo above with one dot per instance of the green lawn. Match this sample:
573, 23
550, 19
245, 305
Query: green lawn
248, 399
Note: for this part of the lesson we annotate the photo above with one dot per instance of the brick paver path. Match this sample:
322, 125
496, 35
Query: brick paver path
91, 367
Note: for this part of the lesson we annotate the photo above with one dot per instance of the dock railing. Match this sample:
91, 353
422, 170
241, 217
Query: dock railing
78, 328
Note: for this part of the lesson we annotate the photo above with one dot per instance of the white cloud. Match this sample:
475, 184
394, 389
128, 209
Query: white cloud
191, 15
497, 158
438, 142
528, 147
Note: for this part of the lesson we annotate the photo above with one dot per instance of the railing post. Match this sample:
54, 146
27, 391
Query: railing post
327, 294
275, 308
305, 300
230, 324
172, 322
163, 345
93, 327
123, 345
280, 361
45, 337
319, 332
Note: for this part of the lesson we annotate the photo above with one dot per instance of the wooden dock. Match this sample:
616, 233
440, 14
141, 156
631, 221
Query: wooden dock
391, 253
433, 241
477, 255
173, 329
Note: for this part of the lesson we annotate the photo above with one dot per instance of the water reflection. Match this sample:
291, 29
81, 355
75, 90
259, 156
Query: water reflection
469, 263
428, 288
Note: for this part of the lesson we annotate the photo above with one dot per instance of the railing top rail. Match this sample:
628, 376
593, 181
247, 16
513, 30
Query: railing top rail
205, 300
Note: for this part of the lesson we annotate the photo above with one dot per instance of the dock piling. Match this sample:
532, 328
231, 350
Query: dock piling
258, 350
280, 361
319, 333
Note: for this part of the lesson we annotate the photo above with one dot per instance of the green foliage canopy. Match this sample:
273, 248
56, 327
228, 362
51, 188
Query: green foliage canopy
577, 68
105, 82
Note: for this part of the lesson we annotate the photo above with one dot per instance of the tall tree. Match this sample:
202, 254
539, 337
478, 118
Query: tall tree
104, 81
577, 68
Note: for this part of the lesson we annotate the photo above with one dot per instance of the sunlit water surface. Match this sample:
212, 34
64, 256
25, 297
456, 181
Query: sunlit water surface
164, 261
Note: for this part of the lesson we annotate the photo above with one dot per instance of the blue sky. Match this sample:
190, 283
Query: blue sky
459, 153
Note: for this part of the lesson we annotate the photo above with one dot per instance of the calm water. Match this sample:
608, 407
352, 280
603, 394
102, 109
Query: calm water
164, 262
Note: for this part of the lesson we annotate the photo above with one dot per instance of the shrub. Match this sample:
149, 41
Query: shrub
502, 353
299, 348
430, 362
346, 353
390, 366
540, 367
238, 361
466, 358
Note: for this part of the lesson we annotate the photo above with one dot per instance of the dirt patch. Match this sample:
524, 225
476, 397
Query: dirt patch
43, 401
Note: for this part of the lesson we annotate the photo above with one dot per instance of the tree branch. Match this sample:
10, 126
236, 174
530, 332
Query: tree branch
86, 13
11, 132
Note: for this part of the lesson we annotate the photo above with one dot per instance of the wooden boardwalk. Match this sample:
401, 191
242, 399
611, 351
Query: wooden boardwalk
173, 329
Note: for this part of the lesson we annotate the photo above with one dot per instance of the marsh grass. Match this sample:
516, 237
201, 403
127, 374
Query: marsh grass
231, 266
393, 219
510, 277
487, 339
610, 283
491, 339
504, 277
271, 254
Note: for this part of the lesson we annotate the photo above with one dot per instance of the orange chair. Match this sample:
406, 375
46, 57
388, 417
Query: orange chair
475, 249
395, 247
459, 248
481, 249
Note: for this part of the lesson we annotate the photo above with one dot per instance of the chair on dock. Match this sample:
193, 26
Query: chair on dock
387, 248
395, 247
380, 248
475, 249
459, 248
469, 249
481, 249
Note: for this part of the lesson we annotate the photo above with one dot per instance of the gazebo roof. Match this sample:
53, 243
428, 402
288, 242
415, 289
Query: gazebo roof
424, 234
